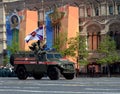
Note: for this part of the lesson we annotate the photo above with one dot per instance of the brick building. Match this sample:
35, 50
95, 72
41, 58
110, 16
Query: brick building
96, 18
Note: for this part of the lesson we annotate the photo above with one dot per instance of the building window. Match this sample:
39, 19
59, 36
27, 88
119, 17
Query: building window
117, 39
93, 40
88, 12
115, 35
118, 8
81, 12
96, 11
111, 10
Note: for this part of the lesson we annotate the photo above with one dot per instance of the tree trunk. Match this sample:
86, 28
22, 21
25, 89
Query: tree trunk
108, 68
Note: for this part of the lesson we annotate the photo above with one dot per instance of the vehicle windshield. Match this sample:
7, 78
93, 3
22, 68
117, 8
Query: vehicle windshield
50, 56
57, 55
54, 56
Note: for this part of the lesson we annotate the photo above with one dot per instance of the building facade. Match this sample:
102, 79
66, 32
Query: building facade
97, 19
2, 31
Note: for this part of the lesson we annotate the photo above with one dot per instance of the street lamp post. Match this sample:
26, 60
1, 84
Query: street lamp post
40, 13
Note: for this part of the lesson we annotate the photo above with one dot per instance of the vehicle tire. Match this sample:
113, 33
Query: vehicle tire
69, 76
37, 76
21, 73
12, 60
54, 73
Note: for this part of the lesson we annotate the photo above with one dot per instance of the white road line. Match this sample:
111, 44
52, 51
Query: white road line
102, 89
56, 92
74, 84
65, 85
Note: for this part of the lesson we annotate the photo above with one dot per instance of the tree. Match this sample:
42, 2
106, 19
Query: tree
77, 48
60, 42
83, 51
78, 44
108, 53
72, 47
13, 48
5, 60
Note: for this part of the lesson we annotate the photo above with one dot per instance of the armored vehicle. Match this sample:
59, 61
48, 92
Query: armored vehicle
38, 63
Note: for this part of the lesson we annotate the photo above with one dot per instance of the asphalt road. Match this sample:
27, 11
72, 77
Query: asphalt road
45, 86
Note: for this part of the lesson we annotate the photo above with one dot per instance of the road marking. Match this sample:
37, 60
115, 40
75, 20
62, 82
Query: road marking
102, 89
55, 92
71, 85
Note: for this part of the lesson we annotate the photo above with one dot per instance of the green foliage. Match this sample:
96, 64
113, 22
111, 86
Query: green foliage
107, 45
76, 47
78, 44
107, 49
82, 51
83, 62
69, 52
14, 47
72, 46
60, 42
5, 60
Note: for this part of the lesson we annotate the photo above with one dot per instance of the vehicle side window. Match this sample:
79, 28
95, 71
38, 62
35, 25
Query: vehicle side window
31, 55
42, 57
57, 56
50, 56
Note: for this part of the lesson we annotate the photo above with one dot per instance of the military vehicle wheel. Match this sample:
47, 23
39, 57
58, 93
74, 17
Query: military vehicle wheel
69, 76
54, 73
37, 76
21, 73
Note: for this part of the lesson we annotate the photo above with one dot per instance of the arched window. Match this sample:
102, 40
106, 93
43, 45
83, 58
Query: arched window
118, 9
114, 32
93, 37
111, 10
96, 11
93, 40
88, 12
